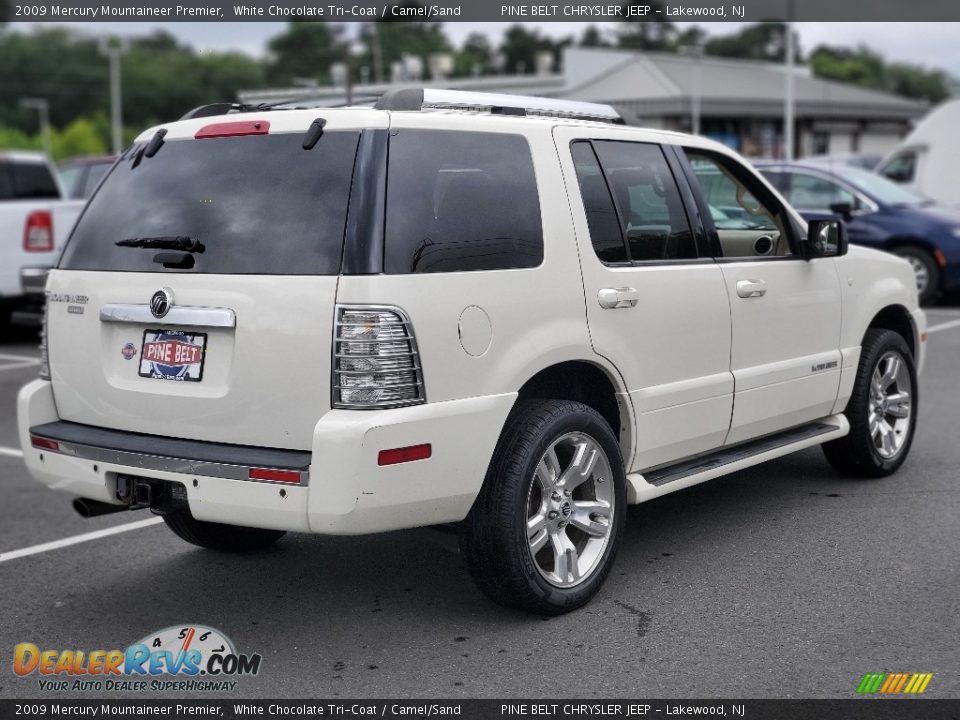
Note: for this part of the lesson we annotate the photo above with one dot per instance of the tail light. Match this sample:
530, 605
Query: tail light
375, 359
38, 232
44, 353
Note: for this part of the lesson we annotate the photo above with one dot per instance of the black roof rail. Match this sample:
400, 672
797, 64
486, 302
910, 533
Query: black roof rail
221, 108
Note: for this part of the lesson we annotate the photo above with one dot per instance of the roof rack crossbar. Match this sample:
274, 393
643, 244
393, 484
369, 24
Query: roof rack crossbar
417, 99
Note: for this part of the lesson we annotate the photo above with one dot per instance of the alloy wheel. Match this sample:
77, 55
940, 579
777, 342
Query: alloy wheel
920, 271
890, 407
570, 507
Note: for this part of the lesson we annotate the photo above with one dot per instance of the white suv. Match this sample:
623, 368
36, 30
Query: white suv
511, 313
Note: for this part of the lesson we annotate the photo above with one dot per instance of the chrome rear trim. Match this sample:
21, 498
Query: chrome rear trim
178, 315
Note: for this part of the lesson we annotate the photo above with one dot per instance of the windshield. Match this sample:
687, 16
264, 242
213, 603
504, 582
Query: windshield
879, 187
256, 204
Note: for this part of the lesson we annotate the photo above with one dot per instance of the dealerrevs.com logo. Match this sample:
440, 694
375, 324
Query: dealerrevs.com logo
178, 658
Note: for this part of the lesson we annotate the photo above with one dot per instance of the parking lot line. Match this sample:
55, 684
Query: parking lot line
944, 326
77, 539
11, 452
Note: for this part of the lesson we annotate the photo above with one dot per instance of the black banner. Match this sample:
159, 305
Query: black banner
478, 10
854, 709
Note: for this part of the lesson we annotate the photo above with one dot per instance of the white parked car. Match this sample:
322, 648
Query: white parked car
511, 313
33, 218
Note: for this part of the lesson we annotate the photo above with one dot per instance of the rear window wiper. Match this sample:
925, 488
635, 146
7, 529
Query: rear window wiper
184, 243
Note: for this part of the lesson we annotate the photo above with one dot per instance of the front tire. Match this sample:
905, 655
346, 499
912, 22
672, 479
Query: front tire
882, 410
544, 530
217, 536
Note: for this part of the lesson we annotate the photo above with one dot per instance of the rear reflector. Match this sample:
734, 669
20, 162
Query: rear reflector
38, 232
283, 476
44, 443
404, 454
233, 129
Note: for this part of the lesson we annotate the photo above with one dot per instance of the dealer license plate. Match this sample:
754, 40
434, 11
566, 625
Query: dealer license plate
173, 355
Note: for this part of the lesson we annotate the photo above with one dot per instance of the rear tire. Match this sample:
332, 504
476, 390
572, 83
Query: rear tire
925, 269
544, 530
882, 410
217, 536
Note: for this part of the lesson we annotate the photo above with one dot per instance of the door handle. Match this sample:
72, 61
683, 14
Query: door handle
613, 298
751, 288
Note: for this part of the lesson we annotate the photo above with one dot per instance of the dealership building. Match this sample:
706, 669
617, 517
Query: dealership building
740, 102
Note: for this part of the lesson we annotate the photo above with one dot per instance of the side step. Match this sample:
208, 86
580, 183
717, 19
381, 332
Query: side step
663, 480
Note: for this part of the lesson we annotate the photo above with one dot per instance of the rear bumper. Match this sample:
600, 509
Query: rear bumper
341, 488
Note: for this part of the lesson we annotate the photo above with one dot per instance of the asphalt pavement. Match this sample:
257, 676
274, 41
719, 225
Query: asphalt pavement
783, 581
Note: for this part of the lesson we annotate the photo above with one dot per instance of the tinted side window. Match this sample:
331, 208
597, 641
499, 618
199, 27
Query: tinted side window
602, 219
645, 193
460, 201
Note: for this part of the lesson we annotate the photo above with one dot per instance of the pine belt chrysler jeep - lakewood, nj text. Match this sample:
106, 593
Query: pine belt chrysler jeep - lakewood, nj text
515, 314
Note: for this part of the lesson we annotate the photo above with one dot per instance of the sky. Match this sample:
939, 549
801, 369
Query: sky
929, 44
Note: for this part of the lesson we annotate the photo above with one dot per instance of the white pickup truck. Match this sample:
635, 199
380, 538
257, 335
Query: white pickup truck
35, 220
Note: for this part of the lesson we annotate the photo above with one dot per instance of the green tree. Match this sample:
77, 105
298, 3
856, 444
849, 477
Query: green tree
520, 47
650, 32
760, 41
304, 50
864, 67
388, 40
80, 137
475, 54
592, 37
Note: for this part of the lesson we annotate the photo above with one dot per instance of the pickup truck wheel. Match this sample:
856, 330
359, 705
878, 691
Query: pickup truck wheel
544, 530
882, 410
217, 536
925, 269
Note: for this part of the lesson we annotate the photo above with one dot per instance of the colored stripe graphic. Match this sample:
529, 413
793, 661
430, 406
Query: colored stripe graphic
894, 683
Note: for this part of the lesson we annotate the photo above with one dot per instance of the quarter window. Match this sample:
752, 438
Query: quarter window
605, 233
459, 201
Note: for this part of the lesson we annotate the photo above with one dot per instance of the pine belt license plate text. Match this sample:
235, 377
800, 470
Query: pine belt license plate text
173, 355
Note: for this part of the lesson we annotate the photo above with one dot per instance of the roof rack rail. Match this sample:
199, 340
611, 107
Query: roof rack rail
223, 108
417, 99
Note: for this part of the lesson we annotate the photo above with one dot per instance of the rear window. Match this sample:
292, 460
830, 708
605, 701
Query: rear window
258, 205
26, 181
459, 201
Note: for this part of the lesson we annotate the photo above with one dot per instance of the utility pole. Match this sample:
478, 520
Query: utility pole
377, 55
695, 101
114, 49
42, 107
788, 95
695, 52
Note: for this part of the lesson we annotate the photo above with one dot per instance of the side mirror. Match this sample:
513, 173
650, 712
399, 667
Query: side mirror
843, 209
826, 238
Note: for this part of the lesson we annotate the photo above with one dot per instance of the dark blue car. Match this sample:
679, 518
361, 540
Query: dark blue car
879, 214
